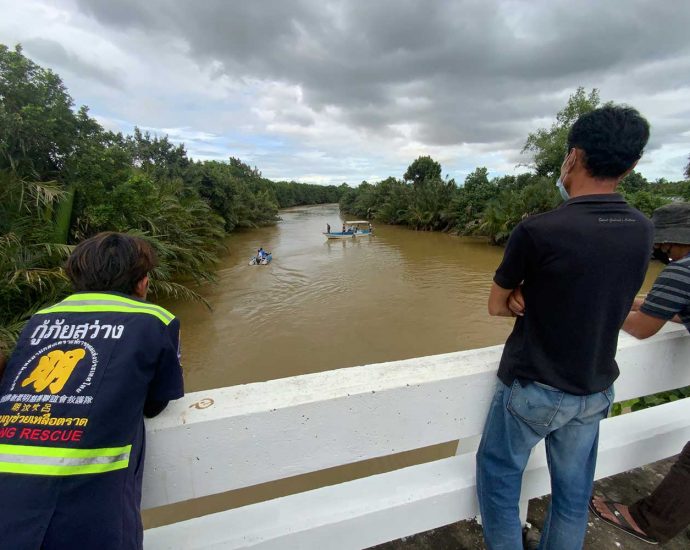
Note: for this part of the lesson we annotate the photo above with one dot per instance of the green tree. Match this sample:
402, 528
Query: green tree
504, 211
423, 169
645, 201
37, 134
157, 156
494, 222
548, 146
430, 207
63, 178
633, 182
37, 125
394, 197
30, 263
472, 198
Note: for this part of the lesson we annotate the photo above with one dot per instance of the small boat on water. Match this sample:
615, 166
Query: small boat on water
353, 229
265, 260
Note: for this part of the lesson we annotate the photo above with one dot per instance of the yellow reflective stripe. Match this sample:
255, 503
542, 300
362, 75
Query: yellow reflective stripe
48, 470
61, 452
64, 308
114, 298
60, 461
102, 302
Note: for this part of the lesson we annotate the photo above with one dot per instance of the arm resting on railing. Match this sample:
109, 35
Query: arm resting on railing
641, 325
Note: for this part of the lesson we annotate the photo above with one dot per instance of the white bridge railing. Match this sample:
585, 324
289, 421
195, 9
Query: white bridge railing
230, 438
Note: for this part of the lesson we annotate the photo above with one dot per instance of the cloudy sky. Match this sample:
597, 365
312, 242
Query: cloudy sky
328, 91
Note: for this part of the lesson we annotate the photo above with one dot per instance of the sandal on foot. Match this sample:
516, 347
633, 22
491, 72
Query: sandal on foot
620, 523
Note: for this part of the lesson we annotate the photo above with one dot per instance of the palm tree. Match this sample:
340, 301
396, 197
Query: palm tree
31, 275
494, 222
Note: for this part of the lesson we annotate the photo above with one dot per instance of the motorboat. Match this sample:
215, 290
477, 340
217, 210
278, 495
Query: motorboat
263, 261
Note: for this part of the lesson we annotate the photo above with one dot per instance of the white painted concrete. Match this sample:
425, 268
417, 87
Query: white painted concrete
373, 510
215, 441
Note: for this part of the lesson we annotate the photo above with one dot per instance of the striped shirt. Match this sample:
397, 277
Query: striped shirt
670, 294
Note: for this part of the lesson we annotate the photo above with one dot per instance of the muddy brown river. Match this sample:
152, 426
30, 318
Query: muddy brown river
322, 305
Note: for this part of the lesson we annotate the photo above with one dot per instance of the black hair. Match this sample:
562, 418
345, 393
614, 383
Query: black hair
110, 261
612, 138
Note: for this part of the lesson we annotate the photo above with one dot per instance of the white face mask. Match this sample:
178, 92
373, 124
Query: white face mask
559, 183
561, 189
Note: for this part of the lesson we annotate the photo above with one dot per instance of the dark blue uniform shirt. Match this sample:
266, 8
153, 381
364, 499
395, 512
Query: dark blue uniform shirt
71, 420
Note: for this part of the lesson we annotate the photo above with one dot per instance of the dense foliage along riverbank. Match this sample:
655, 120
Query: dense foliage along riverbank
423, 199
63, 178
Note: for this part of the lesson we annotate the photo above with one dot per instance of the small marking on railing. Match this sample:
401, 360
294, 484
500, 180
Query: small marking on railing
203, 404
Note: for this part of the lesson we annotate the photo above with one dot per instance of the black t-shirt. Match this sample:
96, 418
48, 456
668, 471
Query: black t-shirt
580, 266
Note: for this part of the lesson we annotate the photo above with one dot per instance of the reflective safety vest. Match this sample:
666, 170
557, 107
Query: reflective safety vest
100, 302
56, 417
59, 461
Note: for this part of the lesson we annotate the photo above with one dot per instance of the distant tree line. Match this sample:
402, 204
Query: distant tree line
423, 199
64, 178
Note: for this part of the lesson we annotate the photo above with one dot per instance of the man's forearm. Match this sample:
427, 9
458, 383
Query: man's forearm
642, 326
498, 301
501, 311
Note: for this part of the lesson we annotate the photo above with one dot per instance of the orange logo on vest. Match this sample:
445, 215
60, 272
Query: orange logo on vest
54, 369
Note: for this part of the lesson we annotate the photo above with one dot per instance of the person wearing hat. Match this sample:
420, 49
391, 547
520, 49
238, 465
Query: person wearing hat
664, 513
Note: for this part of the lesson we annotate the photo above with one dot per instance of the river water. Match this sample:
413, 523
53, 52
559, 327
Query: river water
322, 305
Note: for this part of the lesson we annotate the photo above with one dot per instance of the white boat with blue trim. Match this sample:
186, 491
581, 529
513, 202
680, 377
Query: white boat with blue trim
352, 230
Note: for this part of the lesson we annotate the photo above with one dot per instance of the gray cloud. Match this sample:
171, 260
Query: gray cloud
467, 58
54, 53
409, 76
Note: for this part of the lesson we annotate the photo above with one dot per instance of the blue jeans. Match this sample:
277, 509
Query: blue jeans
519, 417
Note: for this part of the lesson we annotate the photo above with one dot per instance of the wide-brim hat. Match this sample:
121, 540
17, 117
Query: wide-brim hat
672, 223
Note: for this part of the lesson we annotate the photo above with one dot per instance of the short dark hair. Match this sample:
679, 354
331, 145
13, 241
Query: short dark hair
612, 138
110, 262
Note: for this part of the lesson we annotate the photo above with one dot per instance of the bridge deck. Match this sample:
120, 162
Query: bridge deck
626, 487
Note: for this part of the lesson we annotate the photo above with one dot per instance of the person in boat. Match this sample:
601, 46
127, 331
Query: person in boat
344, 229
261, 254
328, 228
370, 229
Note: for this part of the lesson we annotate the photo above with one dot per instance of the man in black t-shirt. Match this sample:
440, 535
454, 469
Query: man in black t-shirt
570, 277
73, 398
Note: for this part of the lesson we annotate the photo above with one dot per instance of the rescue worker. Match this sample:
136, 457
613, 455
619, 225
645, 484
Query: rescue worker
73, 397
